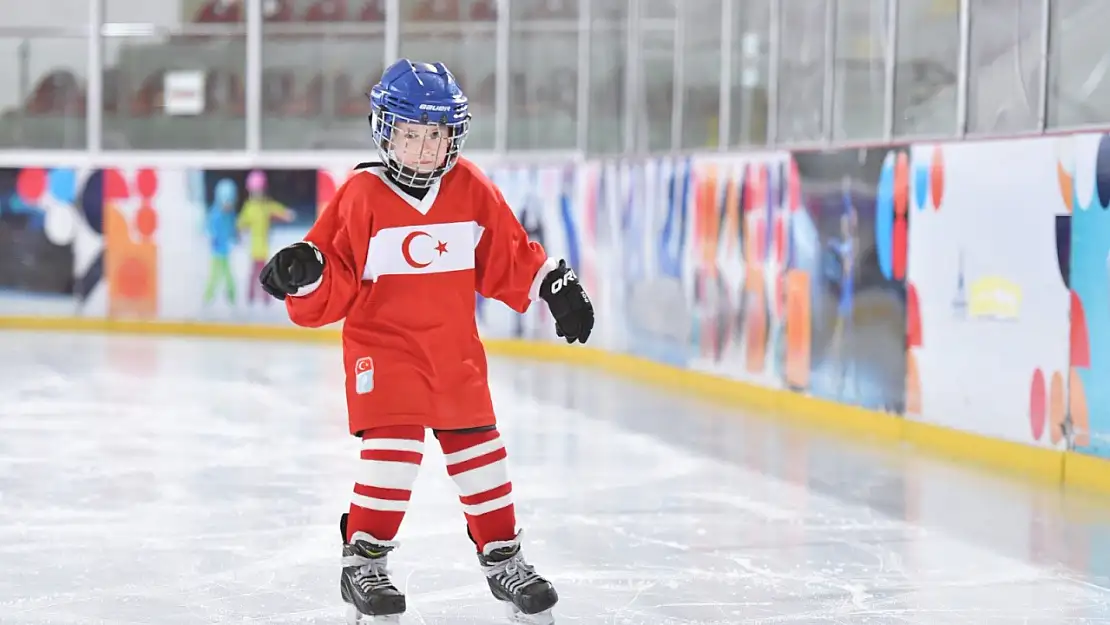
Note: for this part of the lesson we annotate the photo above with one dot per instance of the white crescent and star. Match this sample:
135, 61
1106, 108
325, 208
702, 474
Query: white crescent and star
406, 251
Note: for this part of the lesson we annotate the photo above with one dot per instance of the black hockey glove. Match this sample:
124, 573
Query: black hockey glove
297, 265
569, 304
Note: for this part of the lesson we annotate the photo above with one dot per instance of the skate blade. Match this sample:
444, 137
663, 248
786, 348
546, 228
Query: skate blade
539, 618
354, 617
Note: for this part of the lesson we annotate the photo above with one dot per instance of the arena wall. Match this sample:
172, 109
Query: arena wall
954, 296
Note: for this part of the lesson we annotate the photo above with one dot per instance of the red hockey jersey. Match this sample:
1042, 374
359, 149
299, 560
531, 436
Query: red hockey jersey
403, 273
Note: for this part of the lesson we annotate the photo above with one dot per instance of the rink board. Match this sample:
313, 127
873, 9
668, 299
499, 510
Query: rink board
904, 293
1041, 465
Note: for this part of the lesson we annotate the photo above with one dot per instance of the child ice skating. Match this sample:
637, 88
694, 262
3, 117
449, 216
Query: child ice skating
399, 255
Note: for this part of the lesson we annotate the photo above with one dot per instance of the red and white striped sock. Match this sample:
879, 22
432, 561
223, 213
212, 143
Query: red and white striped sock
390, 461
476, 461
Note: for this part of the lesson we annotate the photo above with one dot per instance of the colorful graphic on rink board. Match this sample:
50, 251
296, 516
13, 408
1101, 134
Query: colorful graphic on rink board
655, 310
989, 323
858, 275
741, 268
52, 244
79, 242
133, 200
850, 240
1081, 175
241, 217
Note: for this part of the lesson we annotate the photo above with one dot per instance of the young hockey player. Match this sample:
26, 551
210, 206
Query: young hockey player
399, 254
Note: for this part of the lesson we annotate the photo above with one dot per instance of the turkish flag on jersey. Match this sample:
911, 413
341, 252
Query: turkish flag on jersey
403, 273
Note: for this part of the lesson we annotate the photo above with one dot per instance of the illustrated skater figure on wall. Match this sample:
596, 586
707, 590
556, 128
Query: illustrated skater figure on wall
258, 211
222, 235
847, 251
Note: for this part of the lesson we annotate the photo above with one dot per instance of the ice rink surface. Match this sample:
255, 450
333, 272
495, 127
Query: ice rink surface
187, 482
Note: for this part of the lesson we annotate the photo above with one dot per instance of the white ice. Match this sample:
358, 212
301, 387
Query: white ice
176, 481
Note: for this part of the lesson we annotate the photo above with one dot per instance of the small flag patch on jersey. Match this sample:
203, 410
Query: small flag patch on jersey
364, 375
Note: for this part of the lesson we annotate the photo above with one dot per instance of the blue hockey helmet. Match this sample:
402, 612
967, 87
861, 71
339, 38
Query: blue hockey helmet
425, 94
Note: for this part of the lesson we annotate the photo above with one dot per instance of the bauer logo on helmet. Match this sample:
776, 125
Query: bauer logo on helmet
420, 119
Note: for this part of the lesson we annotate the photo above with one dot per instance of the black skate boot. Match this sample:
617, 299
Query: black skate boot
364, 584
528, 597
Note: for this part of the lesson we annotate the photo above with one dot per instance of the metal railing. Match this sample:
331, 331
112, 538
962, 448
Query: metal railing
572, 76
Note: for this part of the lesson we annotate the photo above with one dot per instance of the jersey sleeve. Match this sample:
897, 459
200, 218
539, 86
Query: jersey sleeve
327, 300
509, 266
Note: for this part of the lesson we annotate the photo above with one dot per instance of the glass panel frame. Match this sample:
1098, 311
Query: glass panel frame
592, 92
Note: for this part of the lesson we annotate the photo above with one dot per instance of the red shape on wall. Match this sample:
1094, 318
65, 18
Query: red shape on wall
900, 244
936, 176
1037, 404
913, 317
759, 232
134, 278
31, 184
793, 186
1079, 339
146, 181
115, 186
146, 221
761, 182
901, 184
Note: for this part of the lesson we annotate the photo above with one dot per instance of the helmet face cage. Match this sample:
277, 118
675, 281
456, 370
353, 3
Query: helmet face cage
388, 134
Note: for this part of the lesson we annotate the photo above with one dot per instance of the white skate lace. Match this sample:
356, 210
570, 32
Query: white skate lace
373, 574
514, 573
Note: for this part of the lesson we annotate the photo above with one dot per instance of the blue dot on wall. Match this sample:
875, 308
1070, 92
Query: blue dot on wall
884, 217
62, 184
920, 183
92, 200
1102, 172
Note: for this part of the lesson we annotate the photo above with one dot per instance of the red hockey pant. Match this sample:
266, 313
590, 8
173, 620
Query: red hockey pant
390, 461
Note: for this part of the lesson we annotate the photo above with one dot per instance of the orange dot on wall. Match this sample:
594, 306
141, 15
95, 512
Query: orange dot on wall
146, 220
134, 278
913, 385
1067, 188
1057, 407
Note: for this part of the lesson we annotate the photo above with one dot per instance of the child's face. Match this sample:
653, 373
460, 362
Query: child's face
422, 147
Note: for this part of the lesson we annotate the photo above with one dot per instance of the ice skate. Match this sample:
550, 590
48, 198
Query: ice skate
365, 584
527, 596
